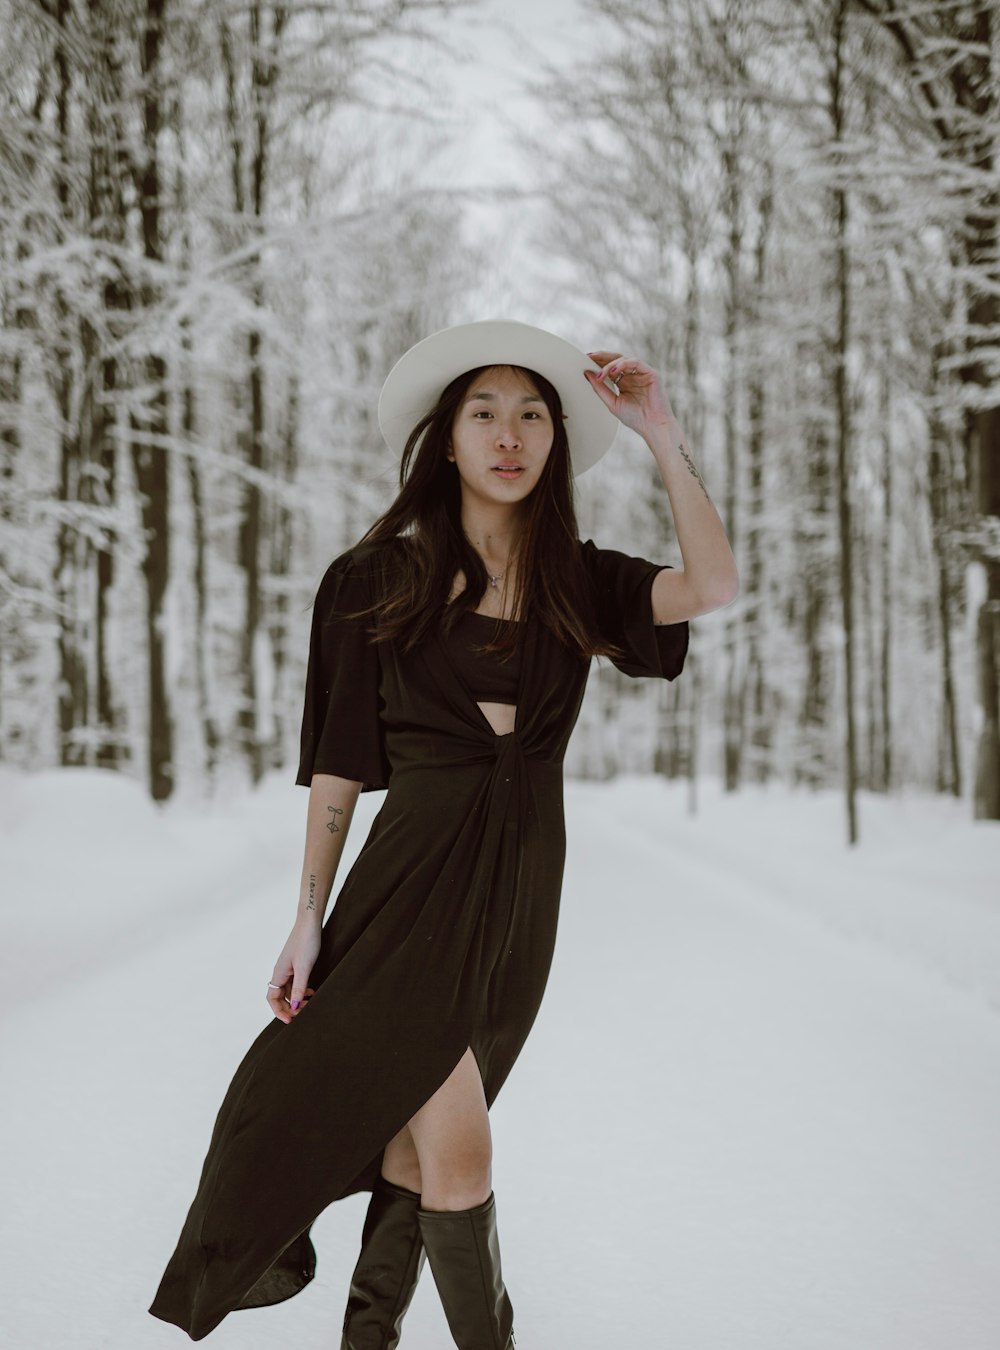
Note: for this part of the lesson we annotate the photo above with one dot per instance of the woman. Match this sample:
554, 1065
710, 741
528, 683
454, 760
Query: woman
449, 653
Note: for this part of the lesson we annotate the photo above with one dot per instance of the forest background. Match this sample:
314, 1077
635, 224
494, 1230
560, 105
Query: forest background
222, 222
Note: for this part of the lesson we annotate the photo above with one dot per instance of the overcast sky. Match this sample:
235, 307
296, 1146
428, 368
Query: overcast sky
504, 45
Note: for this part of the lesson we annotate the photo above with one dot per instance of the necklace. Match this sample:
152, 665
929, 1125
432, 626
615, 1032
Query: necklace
494, 579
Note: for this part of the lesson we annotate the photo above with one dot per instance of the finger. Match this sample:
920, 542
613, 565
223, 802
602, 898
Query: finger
632, 368
278, 1005
303, 1001
602, 358
596, 380
278, 997
306, 996
299, 988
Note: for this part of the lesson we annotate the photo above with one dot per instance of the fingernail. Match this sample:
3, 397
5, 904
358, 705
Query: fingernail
295, 1004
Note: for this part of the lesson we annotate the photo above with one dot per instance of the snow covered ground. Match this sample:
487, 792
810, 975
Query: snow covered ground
761, 1110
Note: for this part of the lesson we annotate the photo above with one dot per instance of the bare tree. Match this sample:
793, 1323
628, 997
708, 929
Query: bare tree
158, 374
748, 190
949, 54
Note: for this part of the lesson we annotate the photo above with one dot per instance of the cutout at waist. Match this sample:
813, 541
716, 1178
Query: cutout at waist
499, 715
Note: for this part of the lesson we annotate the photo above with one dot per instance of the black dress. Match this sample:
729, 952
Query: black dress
441, 936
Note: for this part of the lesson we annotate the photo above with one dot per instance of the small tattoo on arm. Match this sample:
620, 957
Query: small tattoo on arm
312, 893
332, 825
692, 469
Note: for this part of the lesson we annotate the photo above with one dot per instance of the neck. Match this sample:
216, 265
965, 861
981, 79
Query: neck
491, 529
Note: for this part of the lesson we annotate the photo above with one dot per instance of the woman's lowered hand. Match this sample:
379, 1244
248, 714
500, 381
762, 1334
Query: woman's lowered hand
292, 969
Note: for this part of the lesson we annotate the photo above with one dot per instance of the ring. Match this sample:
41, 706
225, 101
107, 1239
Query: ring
273, 986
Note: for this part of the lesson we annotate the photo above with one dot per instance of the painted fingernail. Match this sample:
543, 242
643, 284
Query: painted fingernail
295, 1004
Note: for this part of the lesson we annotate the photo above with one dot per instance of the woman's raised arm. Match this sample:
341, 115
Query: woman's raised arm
708, 580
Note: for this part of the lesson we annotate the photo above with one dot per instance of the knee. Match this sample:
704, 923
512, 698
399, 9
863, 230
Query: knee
460, 1178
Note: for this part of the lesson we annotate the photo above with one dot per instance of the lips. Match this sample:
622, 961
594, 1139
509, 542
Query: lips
509, 471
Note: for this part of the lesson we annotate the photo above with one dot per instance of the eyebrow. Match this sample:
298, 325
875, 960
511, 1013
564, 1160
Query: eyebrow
485, 393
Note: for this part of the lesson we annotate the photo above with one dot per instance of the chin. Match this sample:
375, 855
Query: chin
518, 487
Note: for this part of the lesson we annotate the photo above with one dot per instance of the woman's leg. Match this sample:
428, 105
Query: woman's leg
400, 1163
457, 1214
392, 1253
452, 1140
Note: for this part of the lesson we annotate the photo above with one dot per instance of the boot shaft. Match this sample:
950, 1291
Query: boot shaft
463, 1250
389, 1265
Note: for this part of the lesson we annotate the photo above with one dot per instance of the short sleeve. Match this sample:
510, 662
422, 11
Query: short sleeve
342, 731
621, 587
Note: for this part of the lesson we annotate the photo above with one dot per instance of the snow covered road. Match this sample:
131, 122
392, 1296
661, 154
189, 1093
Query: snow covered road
765, 1113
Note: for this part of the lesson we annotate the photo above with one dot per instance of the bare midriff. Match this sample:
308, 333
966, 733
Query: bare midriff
500, 716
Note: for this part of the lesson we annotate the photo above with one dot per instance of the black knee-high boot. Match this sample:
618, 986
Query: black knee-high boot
464, 1255
392, 1257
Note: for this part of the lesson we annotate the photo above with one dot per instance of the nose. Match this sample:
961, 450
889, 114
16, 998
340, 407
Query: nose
507, 435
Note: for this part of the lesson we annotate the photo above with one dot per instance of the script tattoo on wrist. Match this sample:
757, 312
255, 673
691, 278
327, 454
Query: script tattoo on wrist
311, 904
332, 825
692, 469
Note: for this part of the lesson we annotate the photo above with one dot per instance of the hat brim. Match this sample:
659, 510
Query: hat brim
415, 382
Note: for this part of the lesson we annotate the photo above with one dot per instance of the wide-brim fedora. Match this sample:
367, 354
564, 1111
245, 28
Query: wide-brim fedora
414, 384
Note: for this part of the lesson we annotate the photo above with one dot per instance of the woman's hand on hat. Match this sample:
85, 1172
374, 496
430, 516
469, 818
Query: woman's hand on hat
641, 403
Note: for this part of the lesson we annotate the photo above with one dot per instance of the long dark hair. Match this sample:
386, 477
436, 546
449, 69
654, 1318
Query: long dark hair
426, 521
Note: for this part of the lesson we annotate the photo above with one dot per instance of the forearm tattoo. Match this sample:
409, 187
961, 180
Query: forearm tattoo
332, 825
683, 450
312, 893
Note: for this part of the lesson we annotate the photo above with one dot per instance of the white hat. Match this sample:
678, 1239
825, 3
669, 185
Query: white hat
415, 382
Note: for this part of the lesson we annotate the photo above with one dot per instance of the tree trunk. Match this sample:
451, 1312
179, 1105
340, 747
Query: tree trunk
249, 560
868, 647
678, 729
201, 636
759, 730
987, 785
948, 774
72, 550
107, 222
149, 436
264, 70
884, 735
983, 458
281, 553
733, 723
976, 89
808, 544
843, 427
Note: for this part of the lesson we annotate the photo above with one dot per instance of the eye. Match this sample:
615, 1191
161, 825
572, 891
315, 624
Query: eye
482, 412
535, 415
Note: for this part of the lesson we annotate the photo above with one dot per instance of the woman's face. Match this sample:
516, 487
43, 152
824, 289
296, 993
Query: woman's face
501, 436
